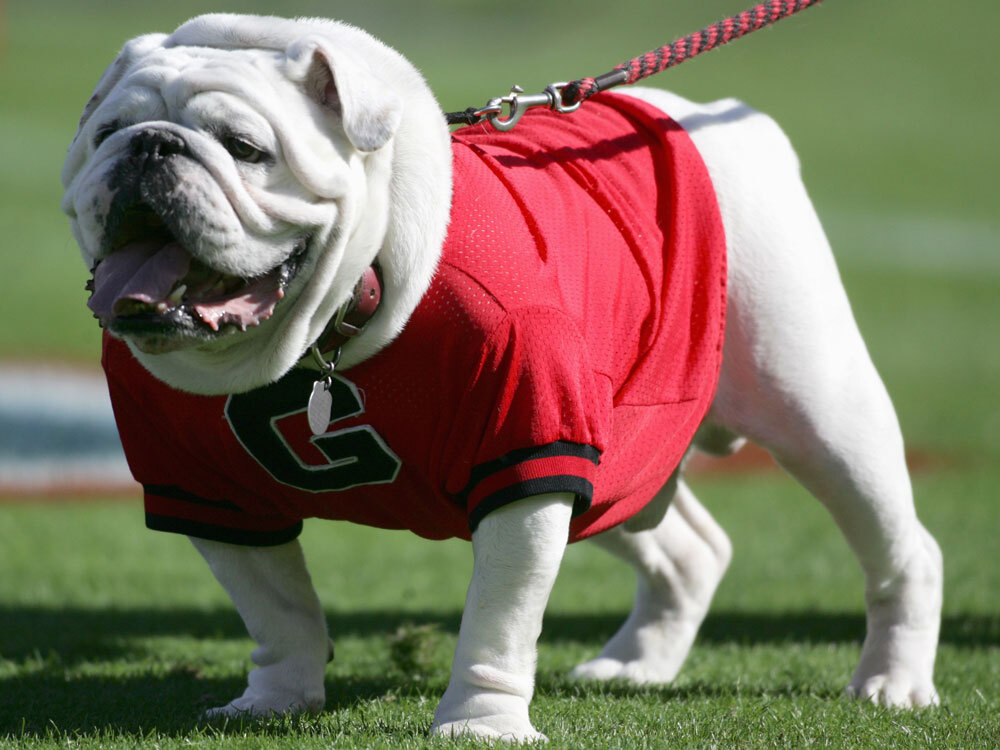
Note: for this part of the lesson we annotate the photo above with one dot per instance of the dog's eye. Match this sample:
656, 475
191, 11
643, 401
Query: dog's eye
104, 131
242, 150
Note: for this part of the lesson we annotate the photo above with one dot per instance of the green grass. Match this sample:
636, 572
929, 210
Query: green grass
122, 637
113, 636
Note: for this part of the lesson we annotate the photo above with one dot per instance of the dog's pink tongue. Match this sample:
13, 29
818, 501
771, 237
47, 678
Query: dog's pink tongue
145, 271
254, 303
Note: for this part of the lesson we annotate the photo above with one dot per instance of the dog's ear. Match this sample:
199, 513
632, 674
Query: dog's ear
133, 49
369, 110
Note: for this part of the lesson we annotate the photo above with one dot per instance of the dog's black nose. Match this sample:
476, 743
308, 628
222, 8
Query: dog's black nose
156, 144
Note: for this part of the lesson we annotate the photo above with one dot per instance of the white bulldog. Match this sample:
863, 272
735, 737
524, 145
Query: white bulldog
231, 183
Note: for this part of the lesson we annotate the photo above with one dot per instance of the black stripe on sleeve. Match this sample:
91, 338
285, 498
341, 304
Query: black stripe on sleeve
170, 492
580, 487
520, 456
243, 537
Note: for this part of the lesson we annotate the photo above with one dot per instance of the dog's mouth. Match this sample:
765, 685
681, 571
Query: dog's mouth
153, 290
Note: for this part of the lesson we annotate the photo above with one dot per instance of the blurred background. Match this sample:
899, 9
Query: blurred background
892, 105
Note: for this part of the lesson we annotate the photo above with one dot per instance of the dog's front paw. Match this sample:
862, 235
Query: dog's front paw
258, 705
486, 715
489, 728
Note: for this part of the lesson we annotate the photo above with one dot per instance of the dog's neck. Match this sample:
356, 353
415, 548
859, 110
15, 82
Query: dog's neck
417, 223
354, 315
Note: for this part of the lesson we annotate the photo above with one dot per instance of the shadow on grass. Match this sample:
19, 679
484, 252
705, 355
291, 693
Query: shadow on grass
48, 704
103, 633
555, 684
48, 700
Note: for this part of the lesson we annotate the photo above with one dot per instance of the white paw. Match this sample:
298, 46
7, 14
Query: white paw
494, 728
639, 672
601, 668
894, 692
487, 714
651, 653
897, 660
897, 667
257, 706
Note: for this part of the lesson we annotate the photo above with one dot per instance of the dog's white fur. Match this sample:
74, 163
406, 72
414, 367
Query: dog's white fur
796, 379
379, 183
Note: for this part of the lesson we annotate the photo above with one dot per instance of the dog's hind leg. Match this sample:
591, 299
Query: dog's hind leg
273, 593
834, 429
828, 421
797, 379
678, 564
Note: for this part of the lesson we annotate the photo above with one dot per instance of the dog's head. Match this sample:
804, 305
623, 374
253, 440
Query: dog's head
230, 183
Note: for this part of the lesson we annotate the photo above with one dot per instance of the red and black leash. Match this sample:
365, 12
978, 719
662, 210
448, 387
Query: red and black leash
562, 97
566, 97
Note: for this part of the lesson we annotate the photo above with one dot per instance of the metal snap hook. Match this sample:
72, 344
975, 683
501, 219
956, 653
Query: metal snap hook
325, 366
517, 103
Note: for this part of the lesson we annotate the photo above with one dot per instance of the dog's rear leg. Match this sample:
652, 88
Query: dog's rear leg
797, 379
678, 564
273, 593
838, 435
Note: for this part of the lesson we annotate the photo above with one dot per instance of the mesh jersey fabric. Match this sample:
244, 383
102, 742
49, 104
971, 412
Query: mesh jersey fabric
570, 341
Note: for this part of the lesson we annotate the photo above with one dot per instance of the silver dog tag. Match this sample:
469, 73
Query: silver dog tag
320, 405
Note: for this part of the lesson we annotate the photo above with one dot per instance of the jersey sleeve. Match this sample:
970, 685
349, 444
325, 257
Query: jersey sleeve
533, 418
184, 490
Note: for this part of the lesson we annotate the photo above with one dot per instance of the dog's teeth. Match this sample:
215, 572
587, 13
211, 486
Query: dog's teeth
178, 294
219, 288
162, 307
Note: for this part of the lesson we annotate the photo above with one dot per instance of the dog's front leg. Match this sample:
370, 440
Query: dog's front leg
273, 593
517, 551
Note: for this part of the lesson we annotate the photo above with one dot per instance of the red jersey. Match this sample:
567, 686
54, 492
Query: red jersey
570, 341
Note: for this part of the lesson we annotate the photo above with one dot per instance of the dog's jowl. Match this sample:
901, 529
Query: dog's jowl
517, 337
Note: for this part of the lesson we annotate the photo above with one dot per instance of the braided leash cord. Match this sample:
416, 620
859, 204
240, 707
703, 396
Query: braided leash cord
566, 97
685, 48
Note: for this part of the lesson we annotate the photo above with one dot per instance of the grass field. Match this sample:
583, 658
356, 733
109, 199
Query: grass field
113, 636
122, 637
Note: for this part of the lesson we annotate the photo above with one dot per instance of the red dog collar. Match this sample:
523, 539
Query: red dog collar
354, 315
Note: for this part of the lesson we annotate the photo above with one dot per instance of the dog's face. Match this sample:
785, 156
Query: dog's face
228, 185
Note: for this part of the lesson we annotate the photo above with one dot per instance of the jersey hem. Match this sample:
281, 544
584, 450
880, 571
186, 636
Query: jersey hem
242, 537
558, 448
580, 488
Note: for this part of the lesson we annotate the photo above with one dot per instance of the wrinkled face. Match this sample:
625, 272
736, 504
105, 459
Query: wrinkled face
208, 190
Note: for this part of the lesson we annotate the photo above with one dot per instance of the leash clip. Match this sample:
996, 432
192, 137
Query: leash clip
518, 103
325, 366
